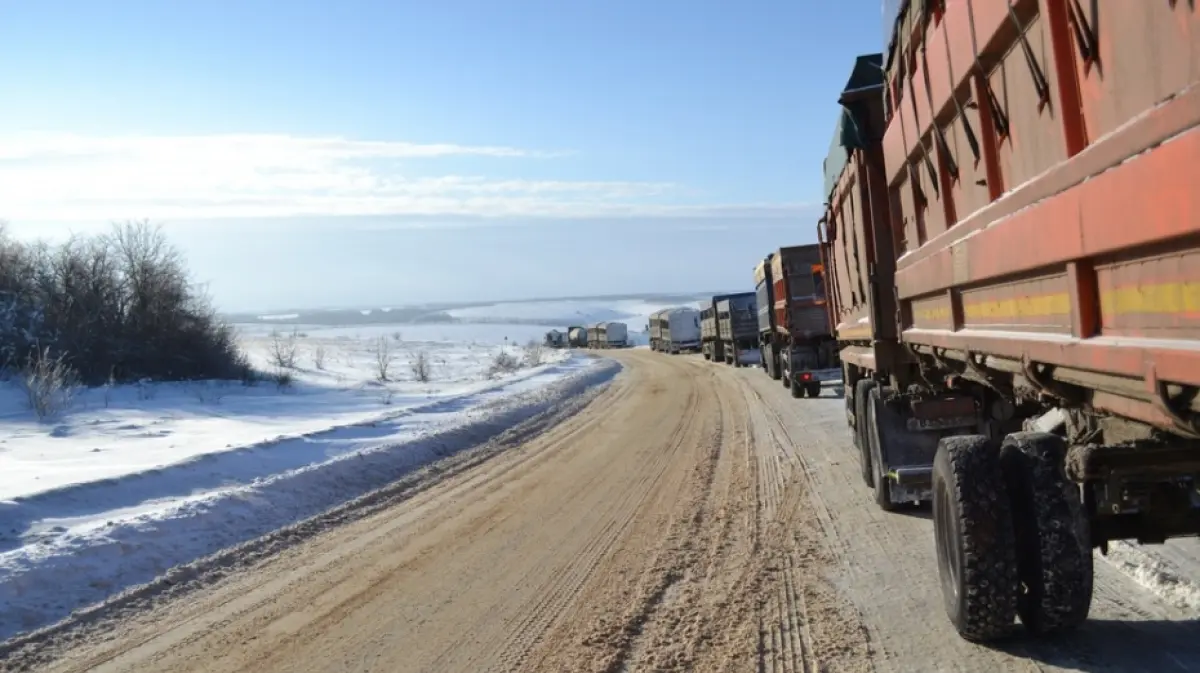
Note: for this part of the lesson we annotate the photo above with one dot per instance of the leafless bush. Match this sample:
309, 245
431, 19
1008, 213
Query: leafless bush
118, 306
535, 354
503, 362
49, 383
283, 350
283, 379
397, 337
383, 358
422, 370
318, 356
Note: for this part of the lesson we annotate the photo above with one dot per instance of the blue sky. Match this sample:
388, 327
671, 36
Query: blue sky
359, 152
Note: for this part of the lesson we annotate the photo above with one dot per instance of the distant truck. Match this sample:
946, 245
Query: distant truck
577, 337
608, 335
764, 299
555, 339
797, 342
675, 330
728, 330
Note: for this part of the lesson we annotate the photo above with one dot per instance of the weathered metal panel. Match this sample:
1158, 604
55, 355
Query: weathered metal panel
1148, 52
933, 312
1068, 186
764, 300
1155, 296
1036, 304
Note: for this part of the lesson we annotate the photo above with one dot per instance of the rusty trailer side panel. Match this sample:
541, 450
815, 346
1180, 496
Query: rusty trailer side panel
859, 262
1042, 166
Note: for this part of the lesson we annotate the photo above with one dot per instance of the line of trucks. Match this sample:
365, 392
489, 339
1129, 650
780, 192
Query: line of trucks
1007, 281
599, 335
783, 326
1009, 258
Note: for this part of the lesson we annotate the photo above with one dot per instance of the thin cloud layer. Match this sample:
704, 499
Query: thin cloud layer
82, 178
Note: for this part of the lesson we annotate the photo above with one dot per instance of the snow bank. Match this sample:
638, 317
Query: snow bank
121, 489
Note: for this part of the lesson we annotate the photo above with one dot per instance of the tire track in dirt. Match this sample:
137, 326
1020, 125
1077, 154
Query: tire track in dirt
885, 564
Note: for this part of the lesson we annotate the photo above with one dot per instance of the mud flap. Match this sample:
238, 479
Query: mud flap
905, 457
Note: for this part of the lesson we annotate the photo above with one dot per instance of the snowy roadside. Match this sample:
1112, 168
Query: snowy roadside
85, 541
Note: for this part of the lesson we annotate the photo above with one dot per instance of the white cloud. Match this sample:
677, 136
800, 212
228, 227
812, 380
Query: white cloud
67, 177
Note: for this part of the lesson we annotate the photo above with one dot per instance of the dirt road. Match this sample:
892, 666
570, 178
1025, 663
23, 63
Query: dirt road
692, 517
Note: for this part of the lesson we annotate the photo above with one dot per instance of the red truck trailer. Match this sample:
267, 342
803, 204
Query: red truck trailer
796, 339
1013, 232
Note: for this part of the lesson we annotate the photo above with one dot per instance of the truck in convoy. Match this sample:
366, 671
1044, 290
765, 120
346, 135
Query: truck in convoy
1013, 230
608, 335
674, 330
764, 301
737, 328
577, 337
794, 335
715, 344
654, 329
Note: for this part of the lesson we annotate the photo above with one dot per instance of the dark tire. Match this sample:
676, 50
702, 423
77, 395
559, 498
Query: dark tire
862, 393
814, 390
974, 537
883, 486
797, 389
1054, 550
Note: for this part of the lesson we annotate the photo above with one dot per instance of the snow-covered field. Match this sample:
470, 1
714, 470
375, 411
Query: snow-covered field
126, 483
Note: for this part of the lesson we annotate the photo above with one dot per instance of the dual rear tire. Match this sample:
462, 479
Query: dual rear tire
1010, 536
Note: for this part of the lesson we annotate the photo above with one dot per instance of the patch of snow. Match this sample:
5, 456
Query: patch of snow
283, 316
1158, 572
132, 481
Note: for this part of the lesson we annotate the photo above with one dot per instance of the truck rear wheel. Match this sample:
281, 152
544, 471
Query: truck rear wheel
862, 393
773, 360
796, 388
975, 538
883, 486
1054, 550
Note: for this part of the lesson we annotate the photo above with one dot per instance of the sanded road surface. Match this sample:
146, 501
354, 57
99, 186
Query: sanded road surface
692, 517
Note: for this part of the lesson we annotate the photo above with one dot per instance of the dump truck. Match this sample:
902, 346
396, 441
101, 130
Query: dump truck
764, 300
797, 345
1013, 246
737, 328
677, 330
608, 335
654, 329
713, 343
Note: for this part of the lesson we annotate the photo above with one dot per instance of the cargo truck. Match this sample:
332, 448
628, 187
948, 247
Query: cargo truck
799, 346
737, 328
608, 335
764, 300
675, 330
1013, 230
714, 344
654, 329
